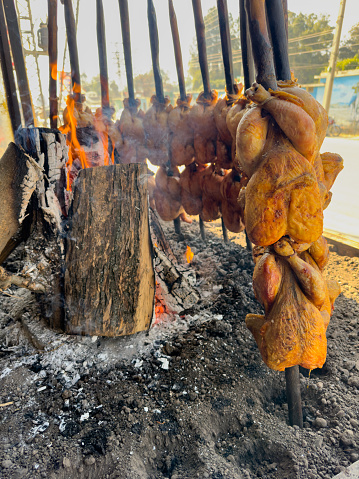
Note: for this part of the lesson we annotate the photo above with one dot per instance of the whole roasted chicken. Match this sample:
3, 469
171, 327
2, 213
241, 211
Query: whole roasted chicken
131, 127
182, 136
157, 133
201, 120
298, 302
167, 193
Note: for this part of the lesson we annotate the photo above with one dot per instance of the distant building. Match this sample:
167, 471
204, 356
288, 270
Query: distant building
344, 104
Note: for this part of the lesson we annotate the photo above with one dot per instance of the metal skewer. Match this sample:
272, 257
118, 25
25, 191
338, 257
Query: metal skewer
72, 44
8, 75
246, 47
102, 56
180, 76
154, 42
261, 47
177, 50
278, 24
226, 44
201, 45
126, 40
279, 37
19, 62
52, 29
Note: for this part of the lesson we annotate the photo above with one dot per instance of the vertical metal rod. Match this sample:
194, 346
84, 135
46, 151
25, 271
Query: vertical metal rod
72, 44
225, 232
8, 74
177, 225
261, 47
226, 44
293, 396
177, 50
152, 25
246, 46
19, 62
201, 45
126, 40
202, 229
102, 56
277, 27
285, 12
52, 28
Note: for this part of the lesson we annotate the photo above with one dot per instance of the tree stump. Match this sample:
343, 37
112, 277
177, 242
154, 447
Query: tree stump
109, 277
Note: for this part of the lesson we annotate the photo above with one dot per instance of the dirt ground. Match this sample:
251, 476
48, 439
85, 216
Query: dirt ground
191, 398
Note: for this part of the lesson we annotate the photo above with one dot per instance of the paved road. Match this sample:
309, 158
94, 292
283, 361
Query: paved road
342, 215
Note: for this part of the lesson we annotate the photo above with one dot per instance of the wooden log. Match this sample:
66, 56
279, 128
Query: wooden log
109, 278
18, 177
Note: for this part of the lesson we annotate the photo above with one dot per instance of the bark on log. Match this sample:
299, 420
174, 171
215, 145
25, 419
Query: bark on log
18, 177
109, 278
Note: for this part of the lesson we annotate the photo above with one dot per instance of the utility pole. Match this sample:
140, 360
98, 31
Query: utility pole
333, 58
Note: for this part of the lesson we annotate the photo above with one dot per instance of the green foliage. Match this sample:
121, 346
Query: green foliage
350, 47
315, 50
348, 63
214, 54
145, 84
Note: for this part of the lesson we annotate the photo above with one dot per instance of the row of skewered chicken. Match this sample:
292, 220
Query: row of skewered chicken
255, 160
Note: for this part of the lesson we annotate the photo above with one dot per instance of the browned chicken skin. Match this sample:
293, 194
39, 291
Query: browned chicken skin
133, 134
232, 211
182, 136
167, 193
157, 133
201, 120
278, 143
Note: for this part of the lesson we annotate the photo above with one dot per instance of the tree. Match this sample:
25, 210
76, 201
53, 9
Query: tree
214, 53
145, 84
310, 40
349, 51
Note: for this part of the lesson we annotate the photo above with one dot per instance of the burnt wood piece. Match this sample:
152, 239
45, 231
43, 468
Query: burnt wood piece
201, 45
18, 177
177, 50
279, 38
19, 62
8, 74
246, 47
109, 278
72, 44
102, 55
261, 46
226, 44
154, 42
52, 28
126, 40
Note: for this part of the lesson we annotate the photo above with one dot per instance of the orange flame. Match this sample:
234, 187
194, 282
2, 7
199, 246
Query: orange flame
53, 69
74, 146
189, 255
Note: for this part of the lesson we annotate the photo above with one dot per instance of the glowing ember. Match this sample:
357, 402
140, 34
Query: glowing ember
189, 255
162, 312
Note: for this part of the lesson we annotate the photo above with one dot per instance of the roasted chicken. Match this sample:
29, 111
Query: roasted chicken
133, 135
167, 193
201, 120
231, 207
157, 133
182, 136
298, 302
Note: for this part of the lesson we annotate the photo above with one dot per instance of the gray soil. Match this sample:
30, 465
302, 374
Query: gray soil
190, 398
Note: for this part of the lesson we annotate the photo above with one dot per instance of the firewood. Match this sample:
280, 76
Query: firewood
18, 177
109, 278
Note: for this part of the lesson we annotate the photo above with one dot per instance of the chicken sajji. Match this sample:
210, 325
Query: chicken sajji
231, 207
182, 136
201, 120
167, 193
131, 127
278, 143
157, 133
298, 302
